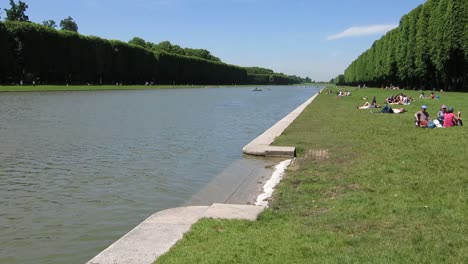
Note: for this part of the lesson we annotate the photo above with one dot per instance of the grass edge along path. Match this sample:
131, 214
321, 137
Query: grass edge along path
365, 188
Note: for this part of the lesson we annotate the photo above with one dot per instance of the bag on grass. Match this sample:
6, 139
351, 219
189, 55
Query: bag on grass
431, 124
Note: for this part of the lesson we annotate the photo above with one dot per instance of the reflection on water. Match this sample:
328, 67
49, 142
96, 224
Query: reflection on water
80, 169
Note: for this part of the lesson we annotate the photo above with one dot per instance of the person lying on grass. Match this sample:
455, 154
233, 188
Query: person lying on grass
399, 110
368, 105
389, 110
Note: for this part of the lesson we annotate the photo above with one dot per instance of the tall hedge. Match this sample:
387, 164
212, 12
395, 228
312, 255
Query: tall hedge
428, 50
34, 52
7, 62
179, 69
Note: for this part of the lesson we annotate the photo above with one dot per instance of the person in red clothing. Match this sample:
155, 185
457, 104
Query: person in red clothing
450, 119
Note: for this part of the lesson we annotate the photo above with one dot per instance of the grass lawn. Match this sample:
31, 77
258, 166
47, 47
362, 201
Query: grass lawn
365, 188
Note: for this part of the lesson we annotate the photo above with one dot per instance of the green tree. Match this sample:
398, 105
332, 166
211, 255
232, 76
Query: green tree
428, 50
49, 23
138, 42
7, 61
422, 60
17, 11
69, 24
258, 70
340, 79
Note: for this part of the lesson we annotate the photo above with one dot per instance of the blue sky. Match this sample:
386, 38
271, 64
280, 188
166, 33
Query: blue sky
318, 39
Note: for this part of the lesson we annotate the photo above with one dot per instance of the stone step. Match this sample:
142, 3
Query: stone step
159, 232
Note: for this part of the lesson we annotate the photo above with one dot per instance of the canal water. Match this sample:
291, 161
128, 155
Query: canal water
80, 169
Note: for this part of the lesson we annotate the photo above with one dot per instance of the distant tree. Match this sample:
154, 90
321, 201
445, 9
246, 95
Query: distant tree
49, 23
168, 47
138, 42
258, 70
339, 80
201, 53
17, 11
69, 24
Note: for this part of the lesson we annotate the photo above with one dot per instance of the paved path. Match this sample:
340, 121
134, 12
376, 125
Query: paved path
157, 234
261, 145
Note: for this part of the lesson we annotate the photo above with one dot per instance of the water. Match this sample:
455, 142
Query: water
80, 169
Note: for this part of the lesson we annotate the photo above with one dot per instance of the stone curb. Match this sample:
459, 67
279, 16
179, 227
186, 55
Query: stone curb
261, 145
159, 232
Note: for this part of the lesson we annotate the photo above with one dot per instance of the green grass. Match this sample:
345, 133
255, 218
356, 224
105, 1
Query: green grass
365, 188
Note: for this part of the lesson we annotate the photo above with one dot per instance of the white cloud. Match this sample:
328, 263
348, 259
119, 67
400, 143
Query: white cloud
363, 31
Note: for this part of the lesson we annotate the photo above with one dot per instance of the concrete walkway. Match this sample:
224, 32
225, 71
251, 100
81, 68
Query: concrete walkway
261, 145
157, 234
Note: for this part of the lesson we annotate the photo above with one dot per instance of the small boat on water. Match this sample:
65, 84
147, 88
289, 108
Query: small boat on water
257, 89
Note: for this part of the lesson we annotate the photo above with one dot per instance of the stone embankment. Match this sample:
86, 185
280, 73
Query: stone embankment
158, 233
261, 146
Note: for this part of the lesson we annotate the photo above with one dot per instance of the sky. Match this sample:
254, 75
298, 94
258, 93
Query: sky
316, 39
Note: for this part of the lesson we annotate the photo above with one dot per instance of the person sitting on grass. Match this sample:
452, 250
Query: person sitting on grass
396, 100
374, 101
389, 100
422, 117
460, 121
451, 120
441, 113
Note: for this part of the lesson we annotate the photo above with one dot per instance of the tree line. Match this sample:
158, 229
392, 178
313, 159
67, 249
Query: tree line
17, 12
429, 50
36, 53
166, 46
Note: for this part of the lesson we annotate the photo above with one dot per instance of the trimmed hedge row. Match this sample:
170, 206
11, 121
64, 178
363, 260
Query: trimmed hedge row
428, 50
33, 52
6, 52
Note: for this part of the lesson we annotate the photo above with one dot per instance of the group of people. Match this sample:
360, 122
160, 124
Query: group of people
391, 87
386, 109
432, 96
345, 93
445, 118
399, 99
